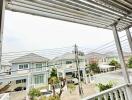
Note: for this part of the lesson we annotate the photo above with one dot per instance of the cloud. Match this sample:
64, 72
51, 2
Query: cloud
28, 32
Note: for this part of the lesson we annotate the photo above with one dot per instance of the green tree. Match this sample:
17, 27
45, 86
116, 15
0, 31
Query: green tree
94, 68
34, 93
53, 79
130, 62
114, 63
71, 87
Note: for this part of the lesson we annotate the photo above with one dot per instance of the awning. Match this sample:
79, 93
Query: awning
97, 13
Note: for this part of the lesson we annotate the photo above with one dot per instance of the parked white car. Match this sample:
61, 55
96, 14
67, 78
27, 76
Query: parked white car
75, 80
48, 93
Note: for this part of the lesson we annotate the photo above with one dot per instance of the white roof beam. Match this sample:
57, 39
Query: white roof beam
50, 15
62, 13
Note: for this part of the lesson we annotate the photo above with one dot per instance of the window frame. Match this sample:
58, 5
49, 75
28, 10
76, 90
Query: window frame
23, 66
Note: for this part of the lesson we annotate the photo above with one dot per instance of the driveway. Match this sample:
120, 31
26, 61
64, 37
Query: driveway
19, 95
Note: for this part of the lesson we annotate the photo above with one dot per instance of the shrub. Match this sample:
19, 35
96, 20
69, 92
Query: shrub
34, 93
103, 87
43, 98
94, 67
55, 97
114, 63
130, 62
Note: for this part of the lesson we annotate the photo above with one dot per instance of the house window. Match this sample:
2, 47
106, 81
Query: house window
68, 62
24, 81
39, 66
20, 66
23, 66
38, 79
18, 81
21, 81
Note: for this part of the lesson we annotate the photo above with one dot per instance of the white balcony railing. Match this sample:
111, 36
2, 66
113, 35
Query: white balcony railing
4, 96
116, 93
39, 69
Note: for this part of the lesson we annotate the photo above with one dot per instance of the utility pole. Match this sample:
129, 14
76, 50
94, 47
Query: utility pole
78, 70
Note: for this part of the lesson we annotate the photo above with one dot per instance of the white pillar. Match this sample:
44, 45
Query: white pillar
27, 86
85, 78
64, 76
49, 86
122, 61
120, 54
2, 13
129, 38
90, 79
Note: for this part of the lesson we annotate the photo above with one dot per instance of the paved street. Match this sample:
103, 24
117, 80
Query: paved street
18, 95
88, 90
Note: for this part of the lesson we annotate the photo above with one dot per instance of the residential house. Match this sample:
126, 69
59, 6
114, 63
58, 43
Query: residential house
114, 56
34, 65
66, 65
95, 57
101, 59
5, 68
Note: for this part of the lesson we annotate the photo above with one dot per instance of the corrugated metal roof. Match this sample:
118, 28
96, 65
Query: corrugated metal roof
97, 13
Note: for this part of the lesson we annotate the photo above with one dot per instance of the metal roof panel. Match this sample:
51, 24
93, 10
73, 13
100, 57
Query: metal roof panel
97, 13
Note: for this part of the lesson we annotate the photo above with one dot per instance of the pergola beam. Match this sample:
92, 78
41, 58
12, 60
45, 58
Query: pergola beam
89, 12
120, 53
46, 8
22, 9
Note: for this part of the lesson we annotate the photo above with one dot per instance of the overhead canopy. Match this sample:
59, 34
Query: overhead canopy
98, 13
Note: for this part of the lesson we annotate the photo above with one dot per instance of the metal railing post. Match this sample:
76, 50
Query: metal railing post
122, 61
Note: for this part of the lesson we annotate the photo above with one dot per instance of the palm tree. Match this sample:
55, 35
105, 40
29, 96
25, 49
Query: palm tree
53, 79
63, 83
71, 87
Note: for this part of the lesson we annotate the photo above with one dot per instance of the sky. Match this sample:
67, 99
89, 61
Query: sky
27, 32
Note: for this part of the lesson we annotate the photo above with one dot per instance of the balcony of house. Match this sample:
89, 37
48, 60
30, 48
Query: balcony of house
39, 68
114, 15
120, 92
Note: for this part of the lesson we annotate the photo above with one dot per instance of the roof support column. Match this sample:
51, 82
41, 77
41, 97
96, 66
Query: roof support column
2, 13
28, 83
123, 65
129, 38
120, 54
